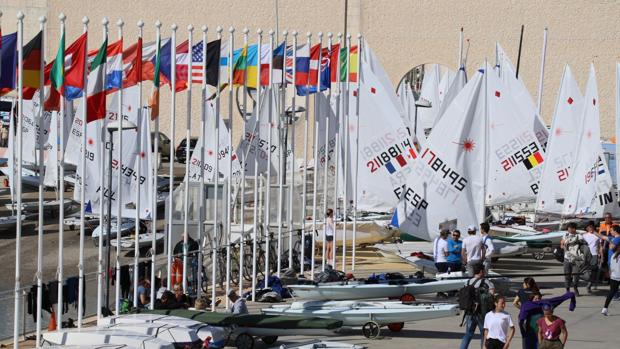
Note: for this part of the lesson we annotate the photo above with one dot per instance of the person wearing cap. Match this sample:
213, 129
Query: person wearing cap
552, 333
487, 246
595, 250
472, 250
239, 306
440, 251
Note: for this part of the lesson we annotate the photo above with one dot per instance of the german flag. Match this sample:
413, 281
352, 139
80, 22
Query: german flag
32, 66
533, 160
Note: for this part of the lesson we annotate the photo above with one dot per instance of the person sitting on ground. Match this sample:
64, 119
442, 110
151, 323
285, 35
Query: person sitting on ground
472, 250
573, 257
595, 250
440, 251
182, 299
167, 301
454, 252
498, 326
239, 306
202, 303
475, 318
552, 333
614, 277
144, 292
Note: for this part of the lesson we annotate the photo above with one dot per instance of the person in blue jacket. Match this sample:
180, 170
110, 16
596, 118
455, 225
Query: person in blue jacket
454, 252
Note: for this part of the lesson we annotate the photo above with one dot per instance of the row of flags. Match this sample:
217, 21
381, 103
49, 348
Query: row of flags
112, 66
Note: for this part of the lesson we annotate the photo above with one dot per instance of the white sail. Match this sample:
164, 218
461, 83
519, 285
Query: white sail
143, 180
225, 150
444, 85
515, 154
617, 133
385, 147
457, 85
29, 133
74, 137
52, 145
11, 153
446, 186
94, 162
590, 175
326, 112
561, 147
430, 92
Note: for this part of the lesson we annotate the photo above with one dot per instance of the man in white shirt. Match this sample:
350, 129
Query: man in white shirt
472, 250
488, 248
595, 249
440, 251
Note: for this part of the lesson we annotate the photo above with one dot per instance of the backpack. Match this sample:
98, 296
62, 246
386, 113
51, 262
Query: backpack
475, 300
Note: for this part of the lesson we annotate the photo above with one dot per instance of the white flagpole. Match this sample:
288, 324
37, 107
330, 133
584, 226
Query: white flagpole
61, 189
136, 248
254, 139
18, 225
173, 112
339, 123
357, 136
325, 153
188, 125
291, 186
315, 175
305, 191
542, 70
461, 48
101, 149
268, 181
42, 21
119, 184
242, 160
229, 203
203, 135
85, 21
216, 180
155, 180
281, 174
346, 110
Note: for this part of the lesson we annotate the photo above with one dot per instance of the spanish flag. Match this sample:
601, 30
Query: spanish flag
32, 66
533, 160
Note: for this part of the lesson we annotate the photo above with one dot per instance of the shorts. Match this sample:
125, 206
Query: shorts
329, 238
554, 344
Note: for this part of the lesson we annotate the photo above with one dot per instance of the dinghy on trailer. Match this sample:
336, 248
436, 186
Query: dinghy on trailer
370, 315
101, 336
320, 344
144, 240
180, 337
127, 225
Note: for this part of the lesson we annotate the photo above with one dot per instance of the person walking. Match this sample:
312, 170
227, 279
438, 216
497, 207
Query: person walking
596, 252
614, 277
329, 234
528, 292
472, 250
474, 318
440, 251
454, 252
498, 326
573, 257
552, 333
488, 247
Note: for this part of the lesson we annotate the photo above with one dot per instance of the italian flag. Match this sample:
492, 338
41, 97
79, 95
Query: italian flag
96, 91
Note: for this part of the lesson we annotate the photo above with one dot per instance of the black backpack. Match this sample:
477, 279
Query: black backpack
475, 300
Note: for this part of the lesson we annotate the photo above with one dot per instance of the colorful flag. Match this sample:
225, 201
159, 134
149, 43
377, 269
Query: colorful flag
57, 77
96, 89
154, 100
114, 65
240, 66
132, 68
32, 66
302, 65
165, 65
147, 66
278, 64
74, 75
334, 62
317, 71
213, 59
8, 56
353, 65
223, 76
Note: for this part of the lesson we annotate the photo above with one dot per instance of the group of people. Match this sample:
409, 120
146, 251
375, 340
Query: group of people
451, 254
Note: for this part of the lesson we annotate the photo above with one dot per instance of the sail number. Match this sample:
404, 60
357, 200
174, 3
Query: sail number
519, 156
439, 166
394, 152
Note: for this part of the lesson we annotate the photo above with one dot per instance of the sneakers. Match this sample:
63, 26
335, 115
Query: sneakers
604, 311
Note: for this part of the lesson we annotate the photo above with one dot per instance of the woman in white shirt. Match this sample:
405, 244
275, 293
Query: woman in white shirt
498, 326
329, 234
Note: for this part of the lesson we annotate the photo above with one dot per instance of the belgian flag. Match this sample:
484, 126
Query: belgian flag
32, 66
533, 160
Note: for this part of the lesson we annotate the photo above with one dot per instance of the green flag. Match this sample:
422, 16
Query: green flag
57, 75
343, 64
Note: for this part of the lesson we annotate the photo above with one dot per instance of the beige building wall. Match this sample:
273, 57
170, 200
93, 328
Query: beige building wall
402, 33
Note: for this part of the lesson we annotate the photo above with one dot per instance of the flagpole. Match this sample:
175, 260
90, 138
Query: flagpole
291, 186
347, 134
461, 48
18, 224
229, 204
257, 153
542, 70
173, 105
357, 141
281, 175
338, 146
85, 21
316, 168
155, 170
242, 161
216, 181
139, 125
325, 152
305, 191
203, 135
268, 185
61, 189
119, 184
42, 21
188, 125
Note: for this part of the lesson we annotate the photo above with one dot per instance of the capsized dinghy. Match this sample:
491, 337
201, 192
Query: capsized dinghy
361, 290
96, 335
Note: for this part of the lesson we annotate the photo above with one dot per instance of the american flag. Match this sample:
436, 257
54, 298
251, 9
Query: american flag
197, 57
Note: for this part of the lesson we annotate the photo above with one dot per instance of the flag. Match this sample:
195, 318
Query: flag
56, 77
213, 59
223, 76
240, 66
132, 74
317, 71
334, 62
8, 56
278, 64
313, 73
74, 75
114, 66
533, 160
32, 66
353, 68
165, 65
96, 89
182, 65
302, 65
154, 101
